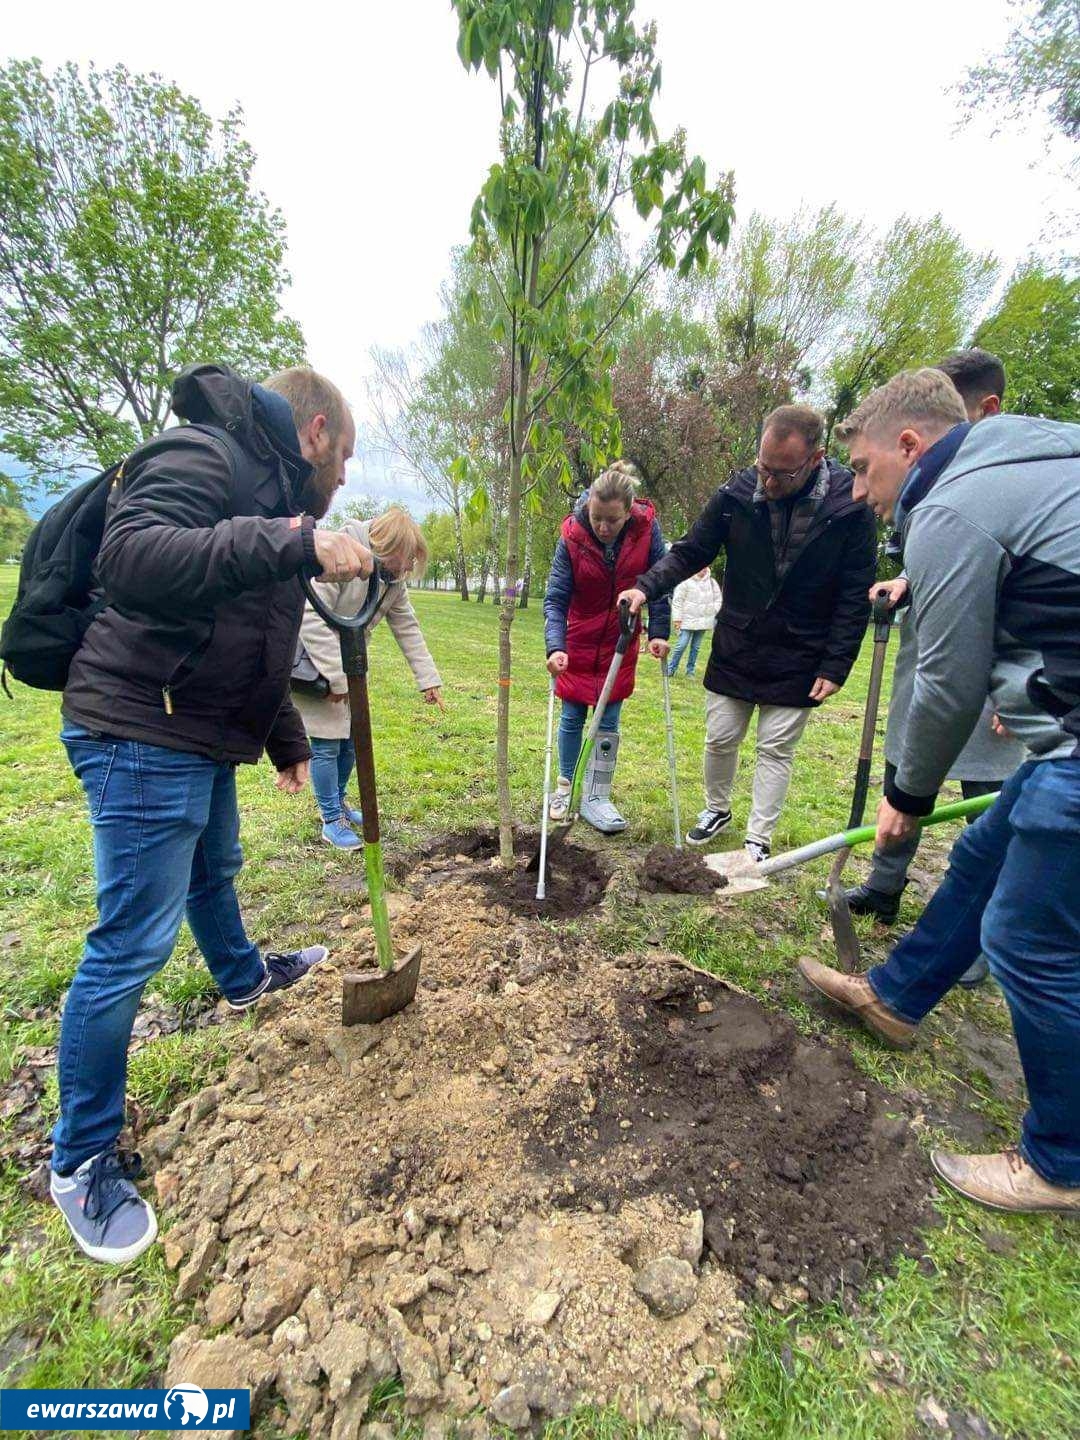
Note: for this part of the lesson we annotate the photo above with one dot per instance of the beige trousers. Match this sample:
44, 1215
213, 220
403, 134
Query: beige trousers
778, 731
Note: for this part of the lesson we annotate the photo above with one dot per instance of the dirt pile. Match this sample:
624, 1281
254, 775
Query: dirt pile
576, 878
514, 1194
679, 872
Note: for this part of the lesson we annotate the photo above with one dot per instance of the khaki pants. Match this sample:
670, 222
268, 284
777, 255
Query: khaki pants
778, 731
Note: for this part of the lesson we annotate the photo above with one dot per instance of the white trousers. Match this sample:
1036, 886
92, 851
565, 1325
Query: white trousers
778, 731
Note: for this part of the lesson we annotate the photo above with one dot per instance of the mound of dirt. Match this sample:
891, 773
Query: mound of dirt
544, 1183
575, 882
678, 872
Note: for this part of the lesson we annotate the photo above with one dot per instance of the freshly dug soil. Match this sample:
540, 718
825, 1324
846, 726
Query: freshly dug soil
575, 882
791, 1154
544, 1183
680, 872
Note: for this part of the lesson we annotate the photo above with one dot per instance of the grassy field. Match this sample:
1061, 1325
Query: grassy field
986, 1325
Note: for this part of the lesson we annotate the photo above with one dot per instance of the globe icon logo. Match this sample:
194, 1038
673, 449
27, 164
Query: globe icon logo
186, 1405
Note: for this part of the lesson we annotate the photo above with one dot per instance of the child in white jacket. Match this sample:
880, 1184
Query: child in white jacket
398, 543
694, 609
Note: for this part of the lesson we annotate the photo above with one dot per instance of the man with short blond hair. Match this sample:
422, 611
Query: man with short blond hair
990, 520
800, 556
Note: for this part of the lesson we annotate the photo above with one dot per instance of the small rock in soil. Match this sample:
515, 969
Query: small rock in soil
510, 1408
667, 1286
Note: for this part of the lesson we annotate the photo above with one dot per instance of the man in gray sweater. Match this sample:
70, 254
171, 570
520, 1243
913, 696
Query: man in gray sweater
991, 754
990, 521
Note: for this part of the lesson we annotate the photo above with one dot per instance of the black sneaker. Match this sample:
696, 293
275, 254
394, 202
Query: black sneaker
282, 970
757, 850
865, 900
975, 974
709, 824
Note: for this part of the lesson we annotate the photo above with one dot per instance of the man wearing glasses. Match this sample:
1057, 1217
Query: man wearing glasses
800, 556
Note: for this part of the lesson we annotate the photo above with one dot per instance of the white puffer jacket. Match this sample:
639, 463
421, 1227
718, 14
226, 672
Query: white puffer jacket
696, 603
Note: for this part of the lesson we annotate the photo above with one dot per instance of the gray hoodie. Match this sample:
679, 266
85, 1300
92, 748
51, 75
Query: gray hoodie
992, 551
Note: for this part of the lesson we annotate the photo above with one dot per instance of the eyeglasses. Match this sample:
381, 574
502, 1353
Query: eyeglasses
785, 477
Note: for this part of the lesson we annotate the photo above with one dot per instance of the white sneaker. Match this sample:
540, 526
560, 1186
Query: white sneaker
559, 808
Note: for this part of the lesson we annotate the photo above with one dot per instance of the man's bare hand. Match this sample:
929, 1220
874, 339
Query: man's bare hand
659, 649
822, 688
293, 778
341, 557
635, 599
1000, 729
893, 826
557, 662
433, 696
895, 590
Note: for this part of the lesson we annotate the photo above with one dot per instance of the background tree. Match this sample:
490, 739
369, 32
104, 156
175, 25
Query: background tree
131, 243
1040, 65
919, 292
1036, 333
15, 523
545, 205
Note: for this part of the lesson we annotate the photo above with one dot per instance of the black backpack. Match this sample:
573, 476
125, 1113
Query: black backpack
55, 601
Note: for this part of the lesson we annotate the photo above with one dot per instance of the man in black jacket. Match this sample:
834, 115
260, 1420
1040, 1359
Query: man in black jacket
183, 674
801, 555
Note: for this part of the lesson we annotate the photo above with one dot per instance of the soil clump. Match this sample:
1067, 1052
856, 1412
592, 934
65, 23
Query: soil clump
678, 872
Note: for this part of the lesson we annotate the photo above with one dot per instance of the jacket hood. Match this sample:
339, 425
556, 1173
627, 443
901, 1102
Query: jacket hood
1013, 440
213, 395
216, 395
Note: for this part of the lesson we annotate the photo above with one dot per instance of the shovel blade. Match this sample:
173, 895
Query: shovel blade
367, 999
847, 942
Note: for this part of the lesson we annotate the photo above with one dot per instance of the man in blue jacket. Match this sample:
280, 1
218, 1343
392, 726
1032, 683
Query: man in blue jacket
990, 520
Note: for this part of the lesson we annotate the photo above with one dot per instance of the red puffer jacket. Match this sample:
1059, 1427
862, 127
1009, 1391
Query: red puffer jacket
592, 625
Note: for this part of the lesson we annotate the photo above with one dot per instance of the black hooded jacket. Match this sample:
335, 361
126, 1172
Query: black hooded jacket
203, 545
776, 633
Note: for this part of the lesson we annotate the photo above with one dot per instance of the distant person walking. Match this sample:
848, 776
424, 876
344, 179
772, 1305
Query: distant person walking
694, 608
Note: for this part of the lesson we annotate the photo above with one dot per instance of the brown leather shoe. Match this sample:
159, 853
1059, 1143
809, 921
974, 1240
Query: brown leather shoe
1005, 1182
853, 992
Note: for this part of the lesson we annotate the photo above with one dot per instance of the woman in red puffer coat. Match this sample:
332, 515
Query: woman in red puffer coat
611, 538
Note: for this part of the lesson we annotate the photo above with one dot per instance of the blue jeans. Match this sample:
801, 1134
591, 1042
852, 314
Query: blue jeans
687, 639
331, 766
1012, 888
166, 841
571, 726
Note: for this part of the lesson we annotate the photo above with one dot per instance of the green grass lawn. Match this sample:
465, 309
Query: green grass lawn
987, 1322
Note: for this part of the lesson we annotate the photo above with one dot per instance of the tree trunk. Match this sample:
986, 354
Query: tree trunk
506, 619
485, 566
462, 572
526, 579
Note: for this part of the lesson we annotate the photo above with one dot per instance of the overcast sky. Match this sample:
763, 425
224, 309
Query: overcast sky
373, 140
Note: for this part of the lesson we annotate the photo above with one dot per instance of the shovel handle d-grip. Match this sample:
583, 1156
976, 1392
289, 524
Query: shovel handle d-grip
627, 626
377, 586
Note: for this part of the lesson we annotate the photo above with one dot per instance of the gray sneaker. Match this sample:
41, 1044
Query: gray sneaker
282, 970
107, 1216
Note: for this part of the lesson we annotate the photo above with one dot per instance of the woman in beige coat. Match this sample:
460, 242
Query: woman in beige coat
398, 543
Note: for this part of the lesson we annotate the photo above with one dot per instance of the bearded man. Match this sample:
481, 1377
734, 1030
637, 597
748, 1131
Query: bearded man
182, 675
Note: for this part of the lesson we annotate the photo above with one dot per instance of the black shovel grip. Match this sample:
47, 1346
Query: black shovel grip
627, 625
377, 587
